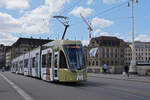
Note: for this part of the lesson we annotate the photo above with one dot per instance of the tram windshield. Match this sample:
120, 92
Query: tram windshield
75, 56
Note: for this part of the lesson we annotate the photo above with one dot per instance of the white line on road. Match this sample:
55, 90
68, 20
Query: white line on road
19, 90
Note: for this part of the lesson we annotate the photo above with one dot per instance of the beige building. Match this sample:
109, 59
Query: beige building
128, 53
142, 57
23, 45
142, 53
105, 50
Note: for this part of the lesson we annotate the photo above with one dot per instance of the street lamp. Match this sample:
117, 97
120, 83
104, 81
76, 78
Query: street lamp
132, 68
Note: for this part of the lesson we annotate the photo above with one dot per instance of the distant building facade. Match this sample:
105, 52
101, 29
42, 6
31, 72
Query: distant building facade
105, 50
23, 45
2, 55
142, 53
8, 57
128, 53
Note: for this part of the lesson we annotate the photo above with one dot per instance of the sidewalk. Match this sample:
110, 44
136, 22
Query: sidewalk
145, 79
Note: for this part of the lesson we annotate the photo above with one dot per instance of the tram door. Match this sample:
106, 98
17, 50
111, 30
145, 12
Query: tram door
30, 67
37, 65
56, 65
48, 66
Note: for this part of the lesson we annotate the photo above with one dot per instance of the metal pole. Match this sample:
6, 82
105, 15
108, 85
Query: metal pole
133, 62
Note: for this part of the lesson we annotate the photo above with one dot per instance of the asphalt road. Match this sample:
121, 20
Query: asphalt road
18, 87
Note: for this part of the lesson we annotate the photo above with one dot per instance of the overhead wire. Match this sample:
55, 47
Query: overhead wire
72, 6
104, 11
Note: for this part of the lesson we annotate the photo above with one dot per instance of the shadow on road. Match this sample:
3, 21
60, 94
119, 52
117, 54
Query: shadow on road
83, 84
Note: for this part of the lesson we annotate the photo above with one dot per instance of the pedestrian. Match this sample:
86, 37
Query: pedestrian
3, 69
105, 68
126, 69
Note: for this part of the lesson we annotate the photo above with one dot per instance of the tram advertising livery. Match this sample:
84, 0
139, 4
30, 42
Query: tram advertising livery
60, 60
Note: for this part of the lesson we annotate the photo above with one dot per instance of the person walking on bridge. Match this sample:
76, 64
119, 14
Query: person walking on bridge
126, 69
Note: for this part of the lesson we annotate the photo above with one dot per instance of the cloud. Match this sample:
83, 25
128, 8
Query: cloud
36, 21
113, 1
14, 4
7, 38
85, 11
143, 38
97, 32
89, 2
109, 1
102, 23
117, 35
104, 34
8, 23
85, 42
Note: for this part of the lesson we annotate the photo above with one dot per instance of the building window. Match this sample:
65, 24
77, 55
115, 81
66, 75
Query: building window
89, 63
116, 55
103, 50
107, 50
107, 62
122, 50
112, 62
96, 55
141, 53
93, 63
122, 62
107, 55
116, 62
142, 49
103, 55
111, 49
96, 63
103, 62
116, 50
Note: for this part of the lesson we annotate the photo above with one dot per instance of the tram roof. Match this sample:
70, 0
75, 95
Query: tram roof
62, 42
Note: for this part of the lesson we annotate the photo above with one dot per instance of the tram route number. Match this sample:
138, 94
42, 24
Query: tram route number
79, 76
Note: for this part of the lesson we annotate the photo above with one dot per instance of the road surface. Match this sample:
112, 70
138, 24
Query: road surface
19, 87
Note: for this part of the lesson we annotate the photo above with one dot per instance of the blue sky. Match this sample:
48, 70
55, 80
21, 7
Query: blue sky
26, 18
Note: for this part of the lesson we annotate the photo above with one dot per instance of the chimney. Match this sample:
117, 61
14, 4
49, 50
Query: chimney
39, 37
47, 38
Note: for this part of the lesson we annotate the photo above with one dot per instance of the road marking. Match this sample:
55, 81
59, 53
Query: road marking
18, 89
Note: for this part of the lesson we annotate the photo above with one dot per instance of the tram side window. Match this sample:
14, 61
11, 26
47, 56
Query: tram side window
21, 64
25, 63
62, 60
56, 60
33, 62
49, 60
43, 60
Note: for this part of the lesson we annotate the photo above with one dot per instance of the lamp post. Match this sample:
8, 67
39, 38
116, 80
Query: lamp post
132, 68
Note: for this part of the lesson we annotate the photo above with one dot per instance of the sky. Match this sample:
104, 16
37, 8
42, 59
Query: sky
26, 18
